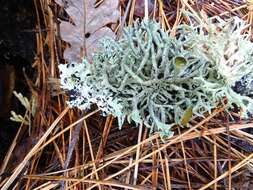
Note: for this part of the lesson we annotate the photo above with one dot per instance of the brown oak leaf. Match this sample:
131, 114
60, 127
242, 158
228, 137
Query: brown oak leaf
95, 18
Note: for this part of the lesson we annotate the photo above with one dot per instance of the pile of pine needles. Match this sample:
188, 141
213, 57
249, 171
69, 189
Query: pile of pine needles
64, 148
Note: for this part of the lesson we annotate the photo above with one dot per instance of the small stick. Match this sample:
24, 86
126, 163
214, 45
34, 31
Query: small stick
137, 154
146, 10
84, 53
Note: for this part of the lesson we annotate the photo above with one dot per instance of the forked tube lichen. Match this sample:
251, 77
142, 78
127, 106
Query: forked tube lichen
148, 76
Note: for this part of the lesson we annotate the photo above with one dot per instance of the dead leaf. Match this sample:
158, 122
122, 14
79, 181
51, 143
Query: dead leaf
96, 19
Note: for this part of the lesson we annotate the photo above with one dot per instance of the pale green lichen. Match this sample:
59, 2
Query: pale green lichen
148, 76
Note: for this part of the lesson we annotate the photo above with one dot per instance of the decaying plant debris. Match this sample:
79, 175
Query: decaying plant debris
88, 26
214, 152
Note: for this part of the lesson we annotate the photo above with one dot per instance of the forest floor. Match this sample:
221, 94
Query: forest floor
55, 147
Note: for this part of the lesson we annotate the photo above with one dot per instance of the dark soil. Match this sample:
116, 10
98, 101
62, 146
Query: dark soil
17, 50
